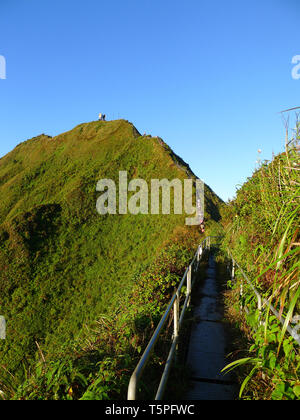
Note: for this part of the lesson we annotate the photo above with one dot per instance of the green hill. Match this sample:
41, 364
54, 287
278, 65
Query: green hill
262, 230
62, 265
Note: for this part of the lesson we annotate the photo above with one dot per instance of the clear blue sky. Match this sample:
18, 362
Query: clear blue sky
209, 77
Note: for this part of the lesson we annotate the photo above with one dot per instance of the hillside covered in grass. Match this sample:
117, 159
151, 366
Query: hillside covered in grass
262, 231
63, 266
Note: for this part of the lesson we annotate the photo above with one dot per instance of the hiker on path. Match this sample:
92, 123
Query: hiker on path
202, 227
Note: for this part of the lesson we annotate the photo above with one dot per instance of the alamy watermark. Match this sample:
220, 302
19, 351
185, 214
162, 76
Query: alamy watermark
159, 194
2, 67
296, 68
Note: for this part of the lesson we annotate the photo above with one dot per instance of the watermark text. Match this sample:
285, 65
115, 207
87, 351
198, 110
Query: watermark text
2, 67
137, 197
296, 68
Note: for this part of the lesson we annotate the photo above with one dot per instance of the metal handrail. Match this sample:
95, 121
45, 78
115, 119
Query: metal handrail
262, 301
178, 319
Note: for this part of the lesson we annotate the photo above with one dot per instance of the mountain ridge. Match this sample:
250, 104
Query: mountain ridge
61, 263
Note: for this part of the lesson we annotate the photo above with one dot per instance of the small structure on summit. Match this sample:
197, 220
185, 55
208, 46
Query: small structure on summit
102, 117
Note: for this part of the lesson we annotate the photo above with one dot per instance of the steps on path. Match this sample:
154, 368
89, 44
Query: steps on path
208, 342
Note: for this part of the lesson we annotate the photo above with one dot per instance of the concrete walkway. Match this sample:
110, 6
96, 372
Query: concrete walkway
207, 347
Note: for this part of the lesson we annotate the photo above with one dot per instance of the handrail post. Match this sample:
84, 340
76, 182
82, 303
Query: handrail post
200, 251
259, 307
176, 315
199, 256
189, 284
176, 321
241, 296
233, 270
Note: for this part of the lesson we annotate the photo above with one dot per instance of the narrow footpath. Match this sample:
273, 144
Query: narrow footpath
206, 355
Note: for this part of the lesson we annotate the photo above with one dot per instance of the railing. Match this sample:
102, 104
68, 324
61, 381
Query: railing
262, 302
178, 319
174, 307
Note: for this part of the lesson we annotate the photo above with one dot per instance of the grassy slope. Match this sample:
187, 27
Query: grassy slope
62, 264
262, 230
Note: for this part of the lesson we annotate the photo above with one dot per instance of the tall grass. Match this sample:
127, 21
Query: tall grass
262, 229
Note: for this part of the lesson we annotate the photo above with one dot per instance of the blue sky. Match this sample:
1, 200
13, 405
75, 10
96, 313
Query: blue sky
209, 77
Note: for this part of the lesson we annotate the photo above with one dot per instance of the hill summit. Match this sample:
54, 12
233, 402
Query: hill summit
61, 263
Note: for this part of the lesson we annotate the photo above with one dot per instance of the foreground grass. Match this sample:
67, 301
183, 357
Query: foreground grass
102, 361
